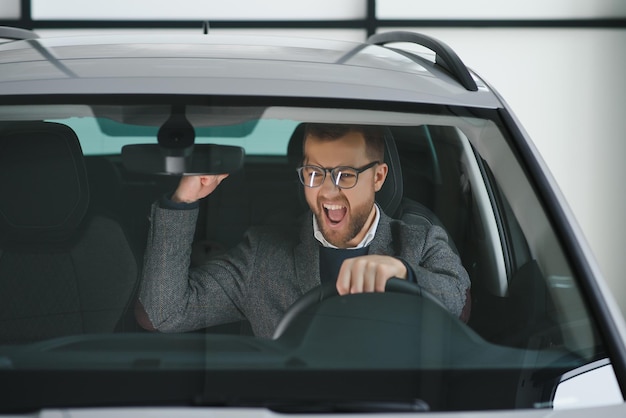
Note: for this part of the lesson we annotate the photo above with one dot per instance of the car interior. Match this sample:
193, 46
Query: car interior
78, 227
73, 234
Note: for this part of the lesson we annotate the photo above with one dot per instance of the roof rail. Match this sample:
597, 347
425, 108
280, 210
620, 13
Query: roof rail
9, 32
444, 55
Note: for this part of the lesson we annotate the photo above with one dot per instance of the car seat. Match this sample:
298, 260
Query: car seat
390, 197
63, 268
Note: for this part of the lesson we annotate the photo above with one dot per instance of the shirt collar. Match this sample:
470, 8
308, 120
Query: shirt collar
366, 240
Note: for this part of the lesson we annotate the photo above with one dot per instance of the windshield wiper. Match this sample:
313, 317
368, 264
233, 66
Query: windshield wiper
415, 405
324, 406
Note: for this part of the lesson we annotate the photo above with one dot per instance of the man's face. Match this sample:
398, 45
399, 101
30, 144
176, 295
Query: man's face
343, 215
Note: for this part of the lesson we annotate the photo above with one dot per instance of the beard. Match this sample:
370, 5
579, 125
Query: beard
340, 238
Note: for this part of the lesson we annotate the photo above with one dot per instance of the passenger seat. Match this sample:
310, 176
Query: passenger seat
64, 269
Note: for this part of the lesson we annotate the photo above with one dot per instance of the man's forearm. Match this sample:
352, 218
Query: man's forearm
164, 285
441, 272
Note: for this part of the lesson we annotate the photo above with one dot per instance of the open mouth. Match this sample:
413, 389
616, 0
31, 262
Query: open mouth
335, 213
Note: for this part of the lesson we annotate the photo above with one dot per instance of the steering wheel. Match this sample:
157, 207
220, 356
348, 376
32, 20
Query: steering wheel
328, 290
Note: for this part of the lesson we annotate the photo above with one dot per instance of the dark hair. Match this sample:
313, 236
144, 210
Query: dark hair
374, 136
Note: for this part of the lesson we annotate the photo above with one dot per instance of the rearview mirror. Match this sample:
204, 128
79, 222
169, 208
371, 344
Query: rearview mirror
194, 160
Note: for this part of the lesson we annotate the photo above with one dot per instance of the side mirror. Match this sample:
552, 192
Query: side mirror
193, 160
591, 385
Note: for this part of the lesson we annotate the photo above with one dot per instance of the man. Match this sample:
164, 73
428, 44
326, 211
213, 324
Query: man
348, 239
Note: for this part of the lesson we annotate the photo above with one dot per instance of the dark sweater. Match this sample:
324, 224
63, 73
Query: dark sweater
332, 258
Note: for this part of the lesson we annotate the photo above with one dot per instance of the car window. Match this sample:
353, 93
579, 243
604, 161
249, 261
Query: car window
265, 137
73, 252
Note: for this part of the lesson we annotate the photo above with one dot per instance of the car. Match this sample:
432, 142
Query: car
94, 129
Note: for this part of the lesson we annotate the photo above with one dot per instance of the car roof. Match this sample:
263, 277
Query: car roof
229, 65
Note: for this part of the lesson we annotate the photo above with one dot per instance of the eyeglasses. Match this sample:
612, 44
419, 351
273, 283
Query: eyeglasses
343, 177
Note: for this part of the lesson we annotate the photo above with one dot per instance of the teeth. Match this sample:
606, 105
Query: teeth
332, 207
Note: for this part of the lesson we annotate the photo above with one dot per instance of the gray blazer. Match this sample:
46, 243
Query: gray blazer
269, 270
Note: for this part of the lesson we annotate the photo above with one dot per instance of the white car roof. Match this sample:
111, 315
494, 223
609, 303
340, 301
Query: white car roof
229, 65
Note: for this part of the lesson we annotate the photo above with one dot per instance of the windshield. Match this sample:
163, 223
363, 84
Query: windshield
118, 289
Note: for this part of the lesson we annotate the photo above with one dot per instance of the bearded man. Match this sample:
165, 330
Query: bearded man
346, 239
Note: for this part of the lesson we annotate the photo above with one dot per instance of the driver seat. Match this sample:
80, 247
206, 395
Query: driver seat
390, 197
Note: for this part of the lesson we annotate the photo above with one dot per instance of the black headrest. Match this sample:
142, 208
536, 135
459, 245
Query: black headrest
43, 182
390, 195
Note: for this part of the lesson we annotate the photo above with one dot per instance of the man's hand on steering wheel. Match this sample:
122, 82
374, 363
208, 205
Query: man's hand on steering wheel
368, 273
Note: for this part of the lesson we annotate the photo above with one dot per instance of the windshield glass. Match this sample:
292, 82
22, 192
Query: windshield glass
112, 276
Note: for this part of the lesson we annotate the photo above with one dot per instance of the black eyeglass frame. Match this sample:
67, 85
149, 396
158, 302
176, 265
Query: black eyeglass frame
332, 172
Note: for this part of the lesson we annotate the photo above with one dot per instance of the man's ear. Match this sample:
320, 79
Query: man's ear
380, 175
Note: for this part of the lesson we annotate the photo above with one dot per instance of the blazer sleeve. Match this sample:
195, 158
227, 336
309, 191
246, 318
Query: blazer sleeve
437, 268
174, 297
